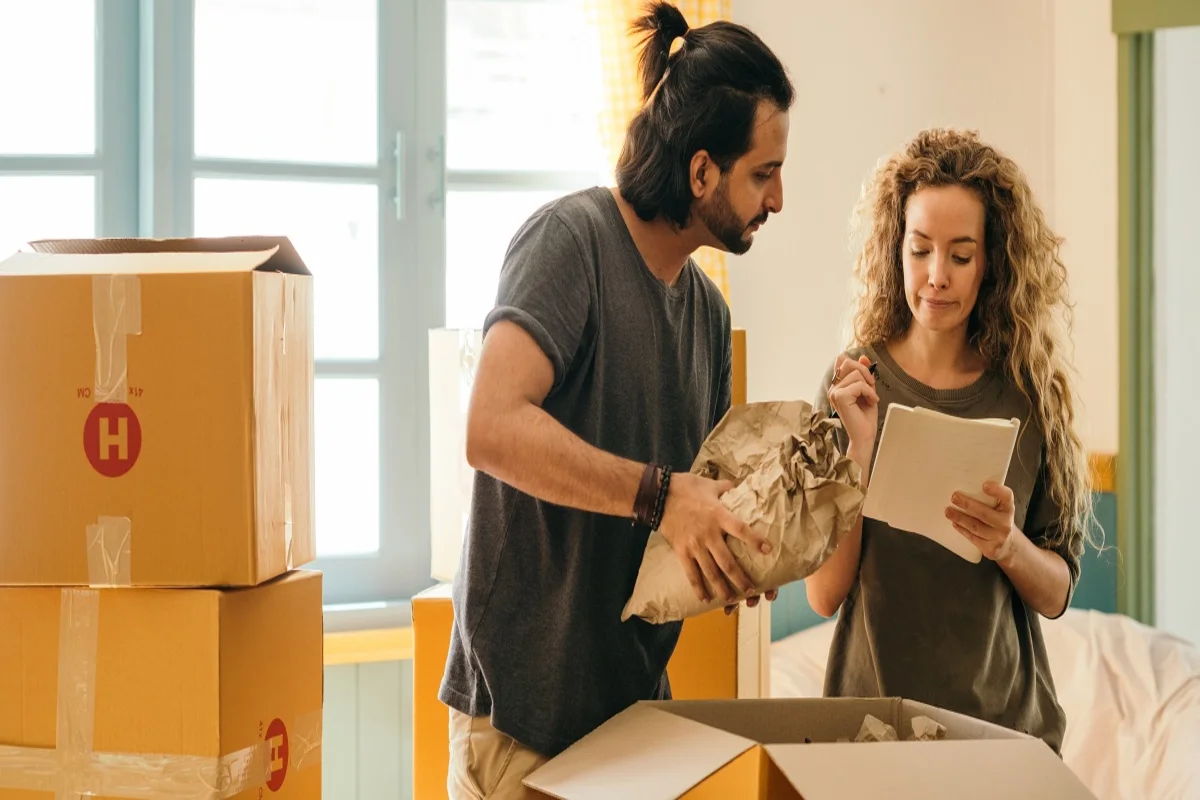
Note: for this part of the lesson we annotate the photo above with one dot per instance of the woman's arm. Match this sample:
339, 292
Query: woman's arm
828, 586
850, 389
1041, 577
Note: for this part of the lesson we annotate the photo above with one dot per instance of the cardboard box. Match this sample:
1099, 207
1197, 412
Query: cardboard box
139, 693
718, 656
757, 749
156, 413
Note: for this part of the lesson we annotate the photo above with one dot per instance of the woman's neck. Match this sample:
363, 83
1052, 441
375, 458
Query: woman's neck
938, 359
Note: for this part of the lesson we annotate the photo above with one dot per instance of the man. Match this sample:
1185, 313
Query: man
606, 362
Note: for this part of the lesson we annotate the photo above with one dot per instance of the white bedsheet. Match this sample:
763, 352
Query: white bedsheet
1131, 694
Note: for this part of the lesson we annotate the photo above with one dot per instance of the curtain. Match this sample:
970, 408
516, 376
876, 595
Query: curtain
622, 90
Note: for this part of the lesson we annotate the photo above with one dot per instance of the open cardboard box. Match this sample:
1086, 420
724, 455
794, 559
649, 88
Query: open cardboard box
718, 656
756, 749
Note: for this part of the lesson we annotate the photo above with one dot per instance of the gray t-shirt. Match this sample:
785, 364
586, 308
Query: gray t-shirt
641, 370
922, 623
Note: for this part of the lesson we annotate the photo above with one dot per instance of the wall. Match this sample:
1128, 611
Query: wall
1177, 328
869, 75
1084, 180
367, 745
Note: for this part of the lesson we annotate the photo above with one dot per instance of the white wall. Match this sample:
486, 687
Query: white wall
1177, 327
869, 74
1085, 201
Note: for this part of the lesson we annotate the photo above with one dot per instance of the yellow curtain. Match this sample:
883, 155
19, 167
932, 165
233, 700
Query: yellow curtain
622, 90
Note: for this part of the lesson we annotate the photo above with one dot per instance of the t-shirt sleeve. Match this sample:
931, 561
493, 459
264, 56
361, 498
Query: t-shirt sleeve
545, 287
1042, 525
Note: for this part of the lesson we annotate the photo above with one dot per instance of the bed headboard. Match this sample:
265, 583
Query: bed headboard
1097, 589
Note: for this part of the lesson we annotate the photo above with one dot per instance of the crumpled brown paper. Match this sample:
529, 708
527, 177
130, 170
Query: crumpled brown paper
791, 484
876, 730
927, 730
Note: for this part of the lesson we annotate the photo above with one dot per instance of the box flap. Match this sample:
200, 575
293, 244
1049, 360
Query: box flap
278, 254
958, 726
945, 770
643, 753
45, 264
786, 720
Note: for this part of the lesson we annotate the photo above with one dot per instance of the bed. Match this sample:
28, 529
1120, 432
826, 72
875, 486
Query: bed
1131, 693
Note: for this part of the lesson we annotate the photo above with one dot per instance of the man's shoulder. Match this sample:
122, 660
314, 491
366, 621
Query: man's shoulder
579, 208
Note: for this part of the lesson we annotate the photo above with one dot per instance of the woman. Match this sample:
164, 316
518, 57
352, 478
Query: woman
963, 293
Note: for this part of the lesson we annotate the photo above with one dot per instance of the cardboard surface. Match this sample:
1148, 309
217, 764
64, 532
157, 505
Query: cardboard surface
948, 770
194, 681
171, 389
646, 752
976, 759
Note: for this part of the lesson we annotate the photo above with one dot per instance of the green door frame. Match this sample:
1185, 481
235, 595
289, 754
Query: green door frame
1134, 22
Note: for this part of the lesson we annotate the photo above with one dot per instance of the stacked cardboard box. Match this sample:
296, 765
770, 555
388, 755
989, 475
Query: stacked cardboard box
156, 504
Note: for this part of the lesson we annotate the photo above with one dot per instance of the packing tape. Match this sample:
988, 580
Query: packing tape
109, 551
73, 770
274, 397
116, 314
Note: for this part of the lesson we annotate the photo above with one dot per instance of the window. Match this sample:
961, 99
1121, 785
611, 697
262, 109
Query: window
398, 143
65, 145
523, 90
307, 121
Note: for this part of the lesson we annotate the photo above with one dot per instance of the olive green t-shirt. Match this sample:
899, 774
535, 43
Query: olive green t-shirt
925, 624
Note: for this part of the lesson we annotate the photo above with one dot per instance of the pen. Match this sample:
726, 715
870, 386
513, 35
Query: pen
874, 365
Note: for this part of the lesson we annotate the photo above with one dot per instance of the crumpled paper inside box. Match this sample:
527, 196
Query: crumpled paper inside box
927, 730
876, 730
792, 485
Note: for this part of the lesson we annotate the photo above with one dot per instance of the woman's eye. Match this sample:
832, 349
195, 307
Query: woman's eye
920, 253
962, 259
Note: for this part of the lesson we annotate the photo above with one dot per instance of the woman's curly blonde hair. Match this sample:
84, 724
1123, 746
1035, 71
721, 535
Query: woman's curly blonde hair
1023, 297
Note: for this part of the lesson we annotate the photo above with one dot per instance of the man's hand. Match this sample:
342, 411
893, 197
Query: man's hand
752, 601
694, 523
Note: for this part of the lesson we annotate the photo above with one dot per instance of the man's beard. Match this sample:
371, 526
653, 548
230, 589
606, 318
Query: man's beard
723, 222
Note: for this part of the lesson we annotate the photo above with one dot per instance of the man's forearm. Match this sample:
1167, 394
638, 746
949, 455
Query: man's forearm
533, 452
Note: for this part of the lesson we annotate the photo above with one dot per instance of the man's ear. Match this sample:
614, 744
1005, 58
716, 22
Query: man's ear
702, 174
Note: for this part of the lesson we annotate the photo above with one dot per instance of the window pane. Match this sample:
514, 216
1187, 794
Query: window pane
287, 80
335, 228
48, 89
347, 466
45, 207
479, 228
509, 62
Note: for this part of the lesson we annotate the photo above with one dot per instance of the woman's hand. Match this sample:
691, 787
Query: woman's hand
992, 530
852, 395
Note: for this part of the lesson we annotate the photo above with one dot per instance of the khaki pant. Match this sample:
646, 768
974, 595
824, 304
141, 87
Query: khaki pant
486, 764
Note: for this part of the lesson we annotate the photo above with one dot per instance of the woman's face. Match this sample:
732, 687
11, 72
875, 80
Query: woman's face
943, 256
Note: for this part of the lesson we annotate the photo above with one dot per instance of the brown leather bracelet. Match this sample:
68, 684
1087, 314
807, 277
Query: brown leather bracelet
647, 495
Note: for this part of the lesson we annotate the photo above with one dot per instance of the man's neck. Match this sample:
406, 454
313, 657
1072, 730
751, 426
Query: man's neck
663, 247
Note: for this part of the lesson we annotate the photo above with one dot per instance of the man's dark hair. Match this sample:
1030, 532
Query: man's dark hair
704, 96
